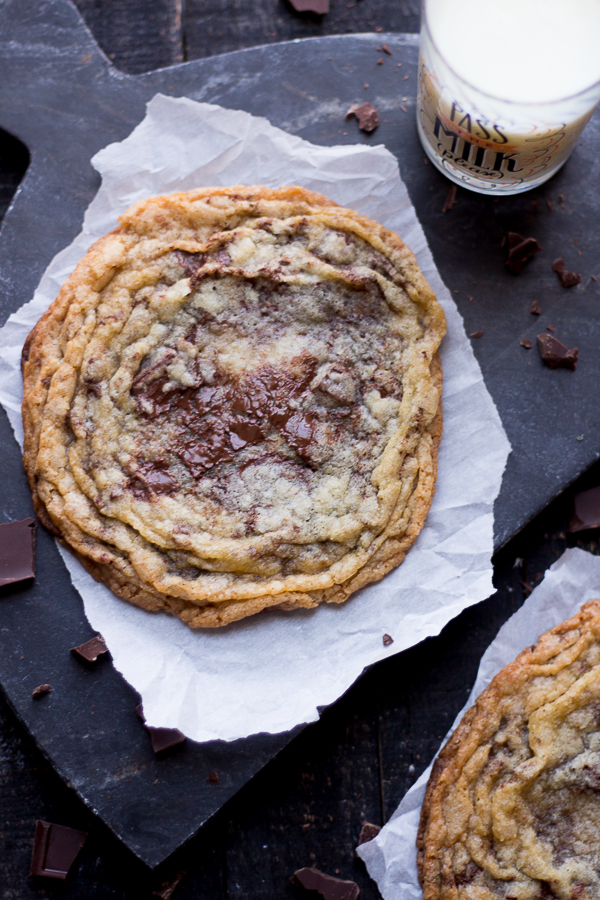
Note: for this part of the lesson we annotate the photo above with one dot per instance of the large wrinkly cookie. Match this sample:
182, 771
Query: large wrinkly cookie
512, 808
234, 403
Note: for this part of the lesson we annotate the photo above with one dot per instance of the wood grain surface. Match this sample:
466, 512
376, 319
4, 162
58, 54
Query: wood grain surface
306, 808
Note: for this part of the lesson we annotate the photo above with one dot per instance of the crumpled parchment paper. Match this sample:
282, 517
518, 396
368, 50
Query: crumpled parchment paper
271, 672
391, 858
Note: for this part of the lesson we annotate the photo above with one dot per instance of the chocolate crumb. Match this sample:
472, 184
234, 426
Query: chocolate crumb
593, 277
380, 61
586, 510
386, 49
162, 738
526, 343
55, 848
327, 886
366, 85
555, 354
41, 691
550, 328
17, 551
368, 832
520, 250
213, 777
450, 199
550, 205
535, 308
387, 640
91, 650
320, 7
566, 278
476, 334
367, 115
167, 888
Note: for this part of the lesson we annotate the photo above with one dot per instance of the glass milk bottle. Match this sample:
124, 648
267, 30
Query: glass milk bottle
506, 88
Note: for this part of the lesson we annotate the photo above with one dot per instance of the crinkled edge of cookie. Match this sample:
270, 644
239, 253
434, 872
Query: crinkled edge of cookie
95, 270
477, 728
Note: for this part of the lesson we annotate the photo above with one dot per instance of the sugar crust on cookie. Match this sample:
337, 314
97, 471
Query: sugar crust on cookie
235, 403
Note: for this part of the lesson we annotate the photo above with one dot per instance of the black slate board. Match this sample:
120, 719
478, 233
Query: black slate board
62, 98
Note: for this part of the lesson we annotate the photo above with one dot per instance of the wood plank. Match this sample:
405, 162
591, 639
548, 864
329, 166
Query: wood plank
307, 808
136, 35
224, 25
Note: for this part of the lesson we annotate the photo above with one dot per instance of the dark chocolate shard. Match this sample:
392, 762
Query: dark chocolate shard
41, 691
520, 250
55, 849
566, 278
368, 832
91, 650
526, 343
387, 640
17, 551
320, 7
165, 738
367, 115
162, 738
450, 199
555, 354
327, 886
167, 888
535, 308
586, 512
213, 777
476, 334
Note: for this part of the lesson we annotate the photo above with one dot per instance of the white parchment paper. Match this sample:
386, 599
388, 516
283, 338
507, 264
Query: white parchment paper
271, 672
391, 857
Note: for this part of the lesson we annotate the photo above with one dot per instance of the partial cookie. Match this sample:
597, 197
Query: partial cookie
234, 403
512, 808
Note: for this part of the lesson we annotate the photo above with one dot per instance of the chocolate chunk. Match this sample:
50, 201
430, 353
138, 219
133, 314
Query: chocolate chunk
327, 886
535, 308
566, 278
152, 478
476, 334
526, 343
520, 250
386, 49
387, 640
213, 777
55, 848
17, 551
162, 738
367, 115
450, 199
41, 691
555, 354
368, 832
167, 888
320, 7
586, 513
92, 649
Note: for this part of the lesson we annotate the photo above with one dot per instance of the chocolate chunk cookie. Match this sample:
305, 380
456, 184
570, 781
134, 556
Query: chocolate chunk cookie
512, 808
234, 403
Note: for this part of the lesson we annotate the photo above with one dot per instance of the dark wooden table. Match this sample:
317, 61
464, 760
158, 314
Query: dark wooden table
307, 806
